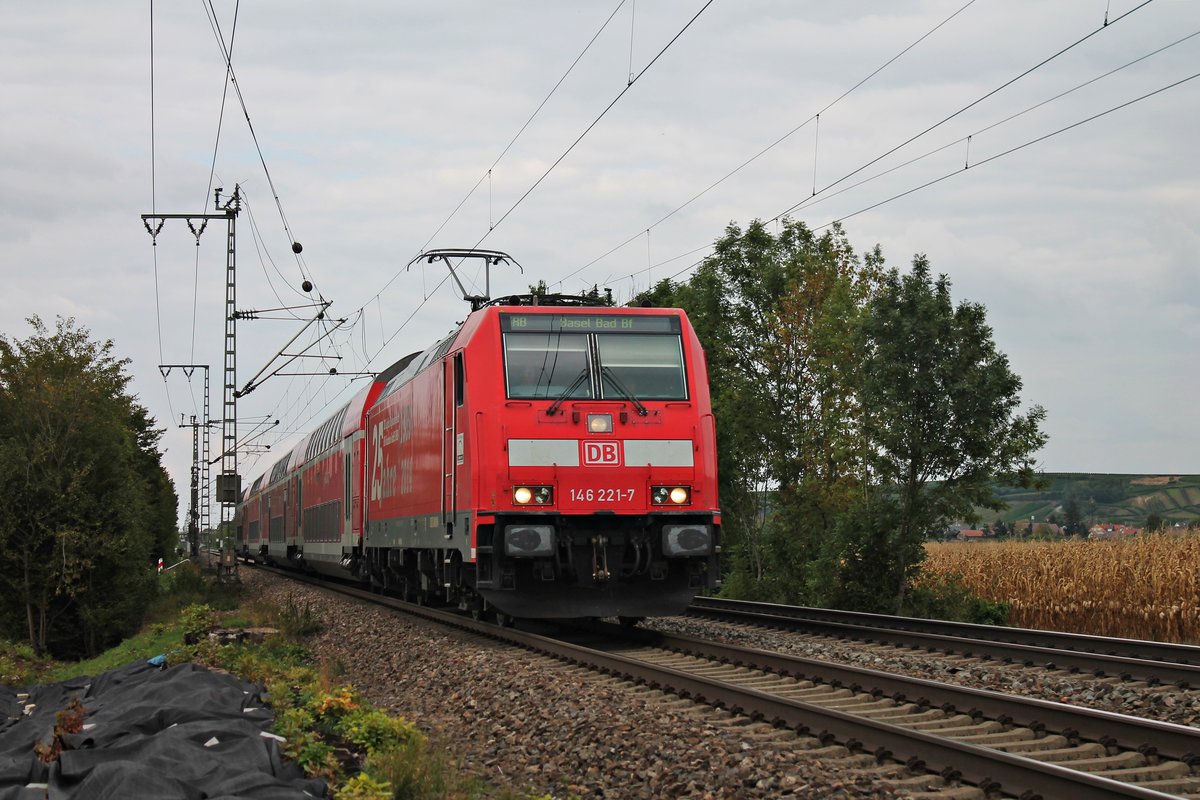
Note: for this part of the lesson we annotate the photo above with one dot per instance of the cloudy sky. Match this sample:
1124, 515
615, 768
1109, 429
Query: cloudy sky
387, 128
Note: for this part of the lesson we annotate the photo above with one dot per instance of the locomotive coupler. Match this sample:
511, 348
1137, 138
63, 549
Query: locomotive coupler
600, 558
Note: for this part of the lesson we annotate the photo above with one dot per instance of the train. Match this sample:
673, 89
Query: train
553, 457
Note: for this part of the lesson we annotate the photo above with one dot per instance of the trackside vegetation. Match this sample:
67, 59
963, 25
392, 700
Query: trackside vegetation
328, 728
858, 410
86, 507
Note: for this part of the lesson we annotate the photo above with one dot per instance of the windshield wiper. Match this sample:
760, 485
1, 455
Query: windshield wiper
562, 398
623, 389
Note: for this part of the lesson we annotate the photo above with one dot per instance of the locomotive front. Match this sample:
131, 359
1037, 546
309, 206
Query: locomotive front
597, 491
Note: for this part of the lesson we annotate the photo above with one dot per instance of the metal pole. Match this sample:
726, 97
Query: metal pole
228, 482
229, 459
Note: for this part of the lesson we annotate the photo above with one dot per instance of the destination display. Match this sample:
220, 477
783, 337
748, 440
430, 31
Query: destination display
588, 323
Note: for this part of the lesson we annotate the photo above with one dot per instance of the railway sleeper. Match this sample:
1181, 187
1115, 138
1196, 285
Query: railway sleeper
1032, 748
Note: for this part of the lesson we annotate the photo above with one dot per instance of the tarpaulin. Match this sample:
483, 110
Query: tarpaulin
182, 733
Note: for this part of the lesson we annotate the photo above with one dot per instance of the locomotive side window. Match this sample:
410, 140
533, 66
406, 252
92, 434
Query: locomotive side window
540, 365
650, 367
460, 380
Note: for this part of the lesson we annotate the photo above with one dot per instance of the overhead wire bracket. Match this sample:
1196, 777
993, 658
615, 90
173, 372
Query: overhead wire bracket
254, 382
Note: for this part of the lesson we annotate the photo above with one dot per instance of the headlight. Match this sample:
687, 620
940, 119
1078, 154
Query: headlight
670, 495
535, 495
599, 423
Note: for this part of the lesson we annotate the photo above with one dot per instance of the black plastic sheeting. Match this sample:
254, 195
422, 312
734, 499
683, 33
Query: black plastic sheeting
182, 733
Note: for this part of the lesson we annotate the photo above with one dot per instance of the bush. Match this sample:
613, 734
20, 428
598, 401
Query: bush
196, 621
364, 787
374, 731
937, 596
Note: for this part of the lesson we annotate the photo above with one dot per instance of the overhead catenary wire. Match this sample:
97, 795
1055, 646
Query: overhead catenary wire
154, 210
493, 225
647, 230
325, 328
231, 75
778, 141
596, 121
262, 251
632, 80
632, 26
214, 24
822, 194
530, 190
973, 103
974, 167
1012, 150
810, 202
488, 173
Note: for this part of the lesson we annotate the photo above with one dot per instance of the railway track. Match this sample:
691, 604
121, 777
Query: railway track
1127, 659
931, 739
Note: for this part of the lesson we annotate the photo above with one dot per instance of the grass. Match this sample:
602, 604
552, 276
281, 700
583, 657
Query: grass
157, 639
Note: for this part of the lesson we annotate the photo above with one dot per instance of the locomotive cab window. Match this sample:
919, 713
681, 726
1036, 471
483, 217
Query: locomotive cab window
593, 356
649, 367
541, 365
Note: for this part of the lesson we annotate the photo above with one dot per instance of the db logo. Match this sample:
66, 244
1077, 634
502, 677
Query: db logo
603, 454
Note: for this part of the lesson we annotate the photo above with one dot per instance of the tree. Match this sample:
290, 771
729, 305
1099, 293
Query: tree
775, 314
1154, 521
83, 496
857, 412
940, 412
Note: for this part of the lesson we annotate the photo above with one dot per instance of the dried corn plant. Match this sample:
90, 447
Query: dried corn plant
1144, 587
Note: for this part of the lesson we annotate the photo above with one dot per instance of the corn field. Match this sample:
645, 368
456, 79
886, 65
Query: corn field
1144, 587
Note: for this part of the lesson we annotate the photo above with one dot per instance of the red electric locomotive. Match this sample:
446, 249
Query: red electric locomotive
543, 461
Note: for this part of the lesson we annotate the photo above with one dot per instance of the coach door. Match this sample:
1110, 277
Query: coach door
452, 440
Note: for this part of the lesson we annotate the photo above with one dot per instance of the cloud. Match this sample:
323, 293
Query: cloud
376, 121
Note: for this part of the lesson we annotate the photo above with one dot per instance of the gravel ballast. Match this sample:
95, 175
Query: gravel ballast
531, 723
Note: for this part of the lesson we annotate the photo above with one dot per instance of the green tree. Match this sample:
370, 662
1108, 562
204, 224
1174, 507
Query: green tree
857, 412
940, 413
83, 497
775, 314
1154, 521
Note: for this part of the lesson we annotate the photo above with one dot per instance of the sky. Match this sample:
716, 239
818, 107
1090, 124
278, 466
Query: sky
373, 130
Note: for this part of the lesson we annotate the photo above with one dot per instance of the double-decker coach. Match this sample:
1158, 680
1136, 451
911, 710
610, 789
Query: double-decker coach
309, 504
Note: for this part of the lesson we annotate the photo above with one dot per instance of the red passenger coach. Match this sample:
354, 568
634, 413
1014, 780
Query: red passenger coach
309, 505
548, 462
249, 526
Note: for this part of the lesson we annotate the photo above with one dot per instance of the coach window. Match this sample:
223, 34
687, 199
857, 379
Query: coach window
540, 365
346, 474
648, 366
